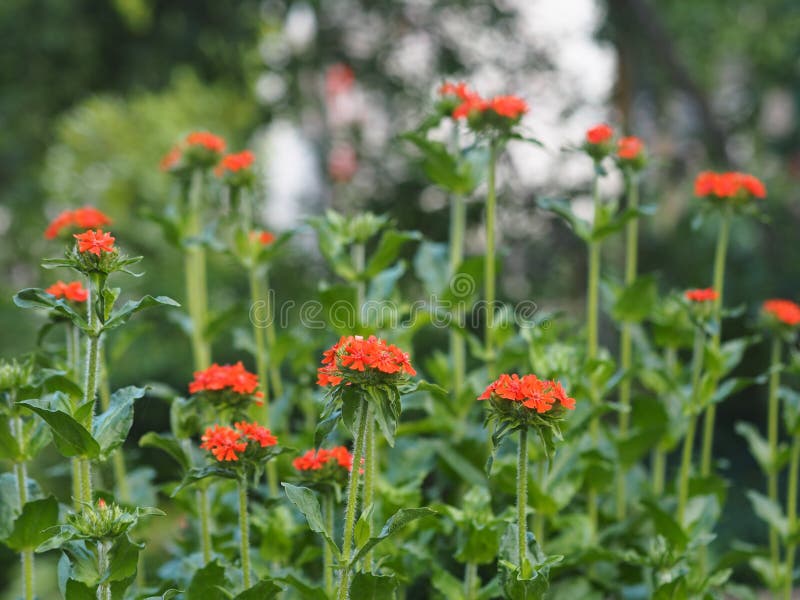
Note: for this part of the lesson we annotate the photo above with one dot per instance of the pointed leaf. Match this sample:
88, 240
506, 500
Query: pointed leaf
133, 306
111, 427
306, 502
396, 522
266, 589
71, 438
168, 444
30, 527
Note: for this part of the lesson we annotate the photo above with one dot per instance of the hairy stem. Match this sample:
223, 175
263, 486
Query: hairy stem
489, 264
625, 343
369, 474
352, 500
21, 471
104, 589
688, 440
772, 439
327, 553
719, 286
91, 377
522, 501
195, 272
458, 224
538, 516
791, 515
592, 308
118, 458
244, 532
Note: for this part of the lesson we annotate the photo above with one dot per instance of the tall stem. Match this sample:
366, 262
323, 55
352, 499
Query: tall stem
471, 582
327, 553
205, 523
538, 516
625, 343
522, 501
20, 470
719, 286
489, 265
791, 514
592, 307
92, 372
104, 589
358, 254
195, 272
244, 532
688, 440
73, 343
458, 224
772, 439
117, 458
369, 474
352, 500
274, 366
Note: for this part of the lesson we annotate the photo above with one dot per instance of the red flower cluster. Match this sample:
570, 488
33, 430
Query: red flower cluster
207, 140
256, 433
785, 311
599, 134
354, 353
95, 242
224, 443
630, 148
220, 377
315, 460
706, 295
233, 163
71, 291
534, 393
171, 159
82, 218
732, 184
509, 107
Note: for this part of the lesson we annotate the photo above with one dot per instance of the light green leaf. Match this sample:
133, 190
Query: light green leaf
111, 427
168, 444
396, 522
30, 527
306, 502
71, 438
131, 307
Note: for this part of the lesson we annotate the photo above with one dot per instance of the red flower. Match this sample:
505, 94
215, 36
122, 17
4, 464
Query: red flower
508, 107
512, 107
95, 242
220, 377
732, 184
171, 159
257, 433
101, 504
785, 311
706, 295
207, 140
599, 134
233, 163
342, 163
473, 103
223, 442
354, 353
629, 148
339, 79
534, 393
63, 220
315, 460
71, 291
90, 218
265, 238
459, 90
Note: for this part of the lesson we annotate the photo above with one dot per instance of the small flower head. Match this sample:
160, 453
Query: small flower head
783, 313
495, 115
202, 149
95, 242
733, 187
598, 143
358, 361
265, 238
73, 291
225, 443
227, 386
80, 218
171, 161
246, 445
701, 296
630, 153
101, 521
256, 433
236, 170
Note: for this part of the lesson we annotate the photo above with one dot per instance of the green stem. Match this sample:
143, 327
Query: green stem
205, 523
327, 553
471, 582
538, 516
86, 480
791, 514
244, 532
522, 501
688, 440
195, 272
352, 500
274, 367
592, 308
117, 458
358, 254
77, 484
369, 475
20, 469
489, 264
772, 439
631, 259
659, 467
719, 287
104, 589
27, 575
458, 224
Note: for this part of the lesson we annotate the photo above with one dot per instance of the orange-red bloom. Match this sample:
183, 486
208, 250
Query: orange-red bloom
223, 442
459, 90
207, 140
171, 158
56, 225
339, 79
354, 353
315, 460
731, 184
95, 242
704, 295
257, 433
265, 238
534, 393
630, 148
221, 377
785, 311
233, 163
83, 218
71, 291
599, 134
512, 107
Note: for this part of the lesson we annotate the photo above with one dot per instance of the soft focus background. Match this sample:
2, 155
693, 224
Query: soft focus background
94, 92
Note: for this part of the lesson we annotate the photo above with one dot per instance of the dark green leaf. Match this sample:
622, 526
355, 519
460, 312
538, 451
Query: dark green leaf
208, 583
563, 209
366, 586
266, 589
30, 527
131, 307
111, 427
397, 521
200, 473
666, 525
71, 438
168, 444
38, 298
636, 301
306, 502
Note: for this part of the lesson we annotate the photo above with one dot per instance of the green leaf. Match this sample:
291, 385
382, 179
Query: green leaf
397, 521
199, 473
123, 560
769, 512
208, 583
131, 307
170, 594
388, 248
168, 444
266, 589
75, 590
30, 527
71, 438
380, 290
759, 447
636, 301
431, 266
666, 525
38, 298
619, 221
443, 168
111, 427
366, 586
447, 585
9, 448
305, 590
564, 210
363, 526
306, 502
